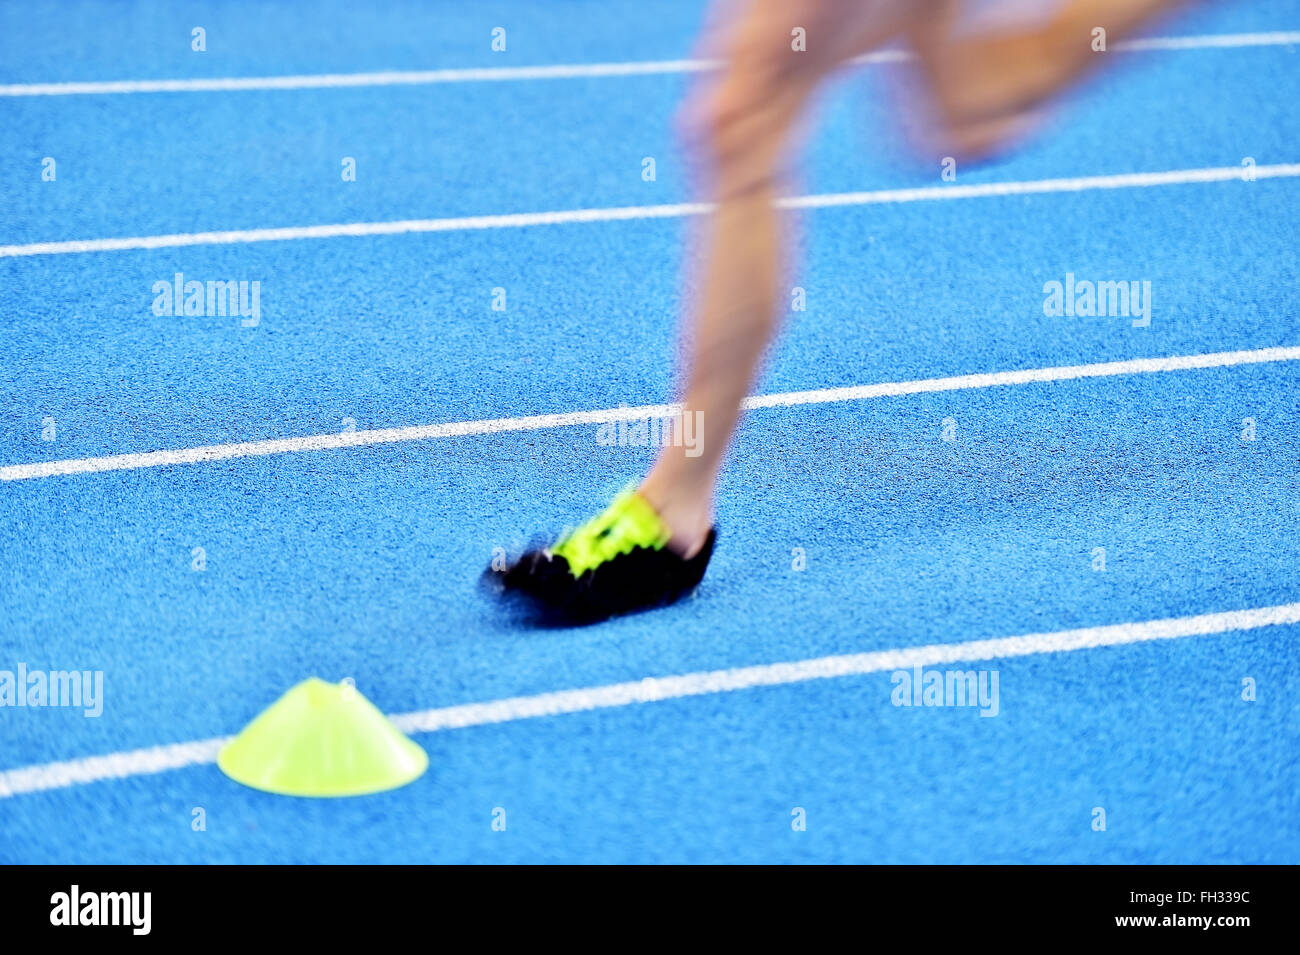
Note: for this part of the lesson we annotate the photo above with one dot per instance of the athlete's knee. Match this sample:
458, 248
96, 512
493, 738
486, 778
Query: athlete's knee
741, 125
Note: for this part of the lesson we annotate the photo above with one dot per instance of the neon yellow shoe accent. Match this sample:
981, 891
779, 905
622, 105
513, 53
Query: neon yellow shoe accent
628, 523
322, 739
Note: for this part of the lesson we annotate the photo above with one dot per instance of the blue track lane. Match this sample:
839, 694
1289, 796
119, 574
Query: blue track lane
363, 562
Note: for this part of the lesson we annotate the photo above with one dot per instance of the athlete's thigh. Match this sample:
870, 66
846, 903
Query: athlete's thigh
790, 38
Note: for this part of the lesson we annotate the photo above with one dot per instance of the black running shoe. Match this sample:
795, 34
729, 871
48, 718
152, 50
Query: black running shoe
616, 563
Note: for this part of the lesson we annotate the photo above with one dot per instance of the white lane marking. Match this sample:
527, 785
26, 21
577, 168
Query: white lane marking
359, 229
555, 72
354, 439
1105, 369
138, 762
231, 84
157, 759
516, 220
1220, 41
1131, 180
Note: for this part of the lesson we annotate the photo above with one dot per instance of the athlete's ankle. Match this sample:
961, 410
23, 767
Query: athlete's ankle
687, 512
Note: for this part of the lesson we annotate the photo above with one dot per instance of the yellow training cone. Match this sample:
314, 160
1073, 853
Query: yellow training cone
322, 739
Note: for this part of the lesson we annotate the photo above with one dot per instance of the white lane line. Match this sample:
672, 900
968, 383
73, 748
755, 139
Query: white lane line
1220, 41
555, 72
157, 759
358, 229
380, 78
1133, 180
1106, 369
355, 439
138, 762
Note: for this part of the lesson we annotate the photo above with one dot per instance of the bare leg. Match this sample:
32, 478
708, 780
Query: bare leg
744, 126
776, 54
988, 87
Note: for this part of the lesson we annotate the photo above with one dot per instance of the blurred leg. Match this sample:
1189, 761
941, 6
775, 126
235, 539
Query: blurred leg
743, 126
988, 86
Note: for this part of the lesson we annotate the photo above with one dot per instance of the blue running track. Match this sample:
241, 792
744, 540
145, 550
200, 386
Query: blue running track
849, 526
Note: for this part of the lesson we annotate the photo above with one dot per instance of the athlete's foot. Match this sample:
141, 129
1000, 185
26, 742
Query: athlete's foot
619, 562
980, 139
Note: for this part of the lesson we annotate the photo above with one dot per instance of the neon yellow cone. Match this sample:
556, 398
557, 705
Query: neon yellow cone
322, 739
